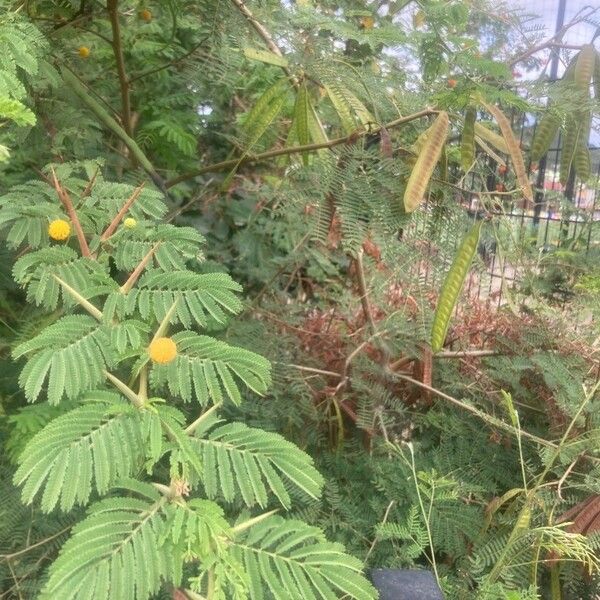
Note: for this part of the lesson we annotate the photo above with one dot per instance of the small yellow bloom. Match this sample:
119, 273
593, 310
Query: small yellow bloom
83, 51
129, 223
146, 15
367, 22
59, 230
162, 350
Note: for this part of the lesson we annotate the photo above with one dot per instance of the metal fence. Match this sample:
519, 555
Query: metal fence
561, 218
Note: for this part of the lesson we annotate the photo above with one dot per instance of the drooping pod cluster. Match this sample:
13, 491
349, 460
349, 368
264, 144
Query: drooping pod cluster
435, 140
453, 284
580, 72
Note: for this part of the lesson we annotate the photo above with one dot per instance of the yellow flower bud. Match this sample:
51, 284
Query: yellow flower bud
129, 223
83, 51
162, 350
59, 230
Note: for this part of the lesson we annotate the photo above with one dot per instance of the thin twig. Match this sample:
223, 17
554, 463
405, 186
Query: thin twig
36, 545
383, 522
65, 200
564, 477
261, 30
252, 158
364, 293
555, 40
313, 370
135, 275
168, 64
119, 216
465, 353
113, 13
88, 188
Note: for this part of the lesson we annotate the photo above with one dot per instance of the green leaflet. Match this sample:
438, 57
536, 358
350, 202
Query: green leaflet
265, 56
116, 552
78, 449
263, 113
342, 107
317, 131
78, 342
347, 105
297, 563
467, 141
452, 286
208, 370
259, 119
16, 111
262, 462
203, 298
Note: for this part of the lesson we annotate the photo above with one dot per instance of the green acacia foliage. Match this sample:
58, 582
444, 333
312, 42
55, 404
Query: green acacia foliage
174, 463
278, 187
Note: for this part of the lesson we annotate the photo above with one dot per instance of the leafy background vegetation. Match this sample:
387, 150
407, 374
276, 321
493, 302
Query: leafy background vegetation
317, 389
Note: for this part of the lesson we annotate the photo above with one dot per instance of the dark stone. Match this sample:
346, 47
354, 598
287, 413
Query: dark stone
404, 584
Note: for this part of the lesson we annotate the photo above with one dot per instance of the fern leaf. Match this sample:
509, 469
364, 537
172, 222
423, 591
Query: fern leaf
115, 552
93, 445
259, 460
202, 298
72, 353
264, 112
36, 271
176, 246
294, 561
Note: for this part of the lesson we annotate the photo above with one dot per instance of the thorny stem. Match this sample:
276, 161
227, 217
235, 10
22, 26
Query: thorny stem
119, 216
143, 387
261, 30
65, 200
135, 275
125, 390
252, 158
88, 188
191, 428
83, 302
164, 324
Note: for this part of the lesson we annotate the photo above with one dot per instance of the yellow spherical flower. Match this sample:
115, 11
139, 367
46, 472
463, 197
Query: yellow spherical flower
83, 51
367, 22
162, 350
146, 15
59, 230
129, 223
